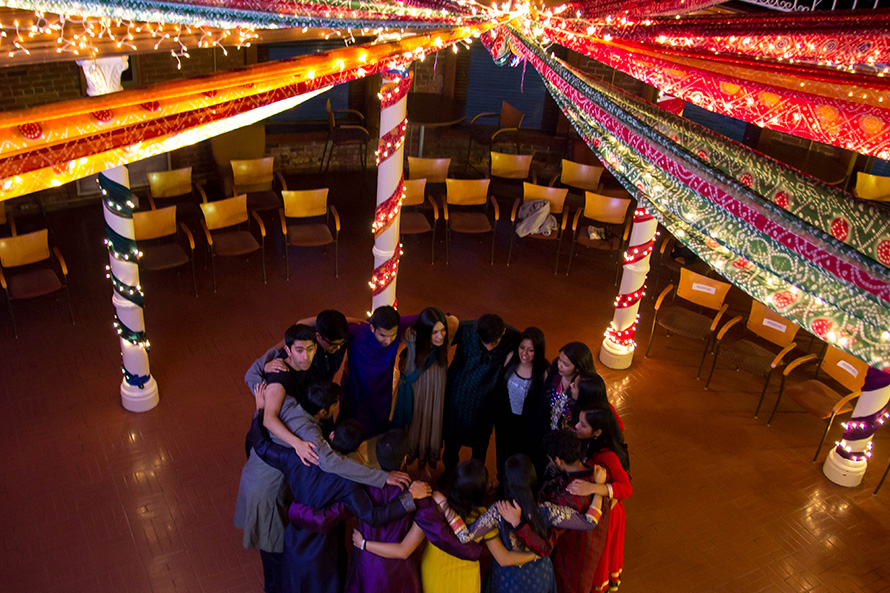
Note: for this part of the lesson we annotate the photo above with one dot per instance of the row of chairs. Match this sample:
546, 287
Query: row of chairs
609, 212
766, 343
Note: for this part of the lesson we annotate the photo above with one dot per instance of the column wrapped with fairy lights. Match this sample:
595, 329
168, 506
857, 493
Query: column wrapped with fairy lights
139, 391
390, 186
847, 462
618, 345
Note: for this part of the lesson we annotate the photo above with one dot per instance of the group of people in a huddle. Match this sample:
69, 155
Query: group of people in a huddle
322, 453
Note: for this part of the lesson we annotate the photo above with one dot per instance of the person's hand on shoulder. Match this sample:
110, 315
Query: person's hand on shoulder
420, 490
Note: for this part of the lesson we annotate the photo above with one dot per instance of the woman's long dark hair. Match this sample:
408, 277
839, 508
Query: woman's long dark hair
539, 363
466, 487
611, 438
579, 355
423, 329
592, 392
520, 483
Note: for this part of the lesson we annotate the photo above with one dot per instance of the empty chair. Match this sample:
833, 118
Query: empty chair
508, 172
556, 199
435, 171
816, 397
310, 206
872, 187
699, 290
608, 224
40, 277
153, 225
176, 187
751, 356
256, 179
219, 218
412, 220
464, 194
245, 143
507, 131
345, 135
579, 176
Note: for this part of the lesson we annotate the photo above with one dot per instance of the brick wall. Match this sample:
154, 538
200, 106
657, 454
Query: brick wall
39, 84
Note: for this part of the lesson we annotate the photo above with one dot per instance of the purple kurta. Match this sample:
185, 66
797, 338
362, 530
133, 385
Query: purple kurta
368, 378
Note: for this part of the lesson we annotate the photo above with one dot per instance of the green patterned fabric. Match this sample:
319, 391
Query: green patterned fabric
780, 257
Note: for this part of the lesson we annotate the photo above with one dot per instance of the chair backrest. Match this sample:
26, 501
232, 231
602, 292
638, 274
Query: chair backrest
253, 174
168, 184
414, 192
510, 166
305, 203
466, 192
248, 142
586, 177
605, 209
554, 195
844, 368
225, 213
702, 290
433, 170
771, 326
872, 187
21, 250
510, 116
151, 224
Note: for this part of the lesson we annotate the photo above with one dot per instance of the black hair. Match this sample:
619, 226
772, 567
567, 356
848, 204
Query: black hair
611, 437
592, 392
563, 444
299, 333
490, 328
579, 355
423, 329
466, 487
321, 396
539, 362
332, 325
392, 446
385, 318
348, 435
520, 483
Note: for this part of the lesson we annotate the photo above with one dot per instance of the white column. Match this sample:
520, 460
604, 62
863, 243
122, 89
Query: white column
847, 462
390, 156
618, 346
139, 390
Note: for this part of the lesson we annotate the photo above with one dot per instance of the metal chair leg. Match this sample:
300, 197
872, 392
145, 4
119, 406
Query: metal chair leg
336, 259
881, 483
286, 261
15, 331
263, 259
213, 269
572, 255
194, 276
433, 242
824, 436
651, 335
778, 399
512, 240
494, 234
558, 246
323, 153
713, 366
703, 356
447, 244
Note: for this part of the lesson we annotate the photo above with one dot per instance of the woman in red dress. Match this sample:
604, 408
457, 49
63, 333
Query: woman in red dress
605, 446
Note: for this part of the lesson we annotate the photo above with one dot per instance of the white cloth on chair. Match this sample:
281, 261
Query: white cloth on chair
535, 219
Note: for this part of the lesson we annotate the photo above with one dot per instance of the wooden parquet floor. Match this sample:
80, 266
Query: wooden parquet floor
96, 499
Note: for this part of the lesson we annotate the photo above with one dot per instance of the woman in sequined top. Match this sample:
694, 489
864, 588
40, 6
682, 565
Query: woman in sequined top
517, 402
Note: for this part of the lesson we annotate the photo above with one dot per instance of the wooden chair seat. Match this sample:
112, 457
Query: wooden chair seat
817, 398
34, 283
309, 235
414, 223
350, 135
163, 257
686, 323
609, 243
235, 243
263, 200
748, 356
470, 222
